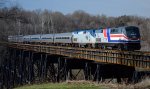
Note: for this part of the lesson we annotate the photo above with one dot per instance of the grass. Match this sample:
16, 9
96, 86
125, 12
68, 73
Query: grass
65, 85
145, 84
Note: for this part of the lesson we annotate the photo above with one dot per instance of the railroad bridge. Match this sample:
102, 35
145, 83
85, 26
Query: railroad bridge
27, 63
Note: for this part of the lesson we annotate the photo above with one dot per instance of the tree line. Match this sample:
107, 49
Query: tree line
17, 21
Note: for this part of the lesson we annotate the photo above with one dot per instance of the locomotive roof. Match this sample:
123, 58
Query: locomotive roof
126, 26
83, 30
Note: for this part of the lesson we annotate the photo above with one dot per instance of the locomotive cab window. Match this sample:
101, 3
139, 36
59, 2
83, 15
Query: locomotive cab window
132, 32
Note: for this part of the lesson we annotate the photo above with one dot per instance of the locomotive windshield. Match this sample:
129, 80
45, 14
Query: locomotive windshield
132, 32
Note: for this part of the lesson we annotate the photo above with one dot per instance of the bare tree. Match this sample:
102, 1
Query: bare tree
17, 21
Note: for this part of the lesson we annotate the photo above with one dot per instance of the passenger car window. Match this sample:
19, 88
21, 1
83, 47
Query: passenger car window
114, 31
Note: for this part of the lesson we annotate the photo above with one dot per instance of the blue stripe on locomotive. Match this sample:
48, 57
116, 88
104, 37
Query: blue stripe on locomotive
92, 32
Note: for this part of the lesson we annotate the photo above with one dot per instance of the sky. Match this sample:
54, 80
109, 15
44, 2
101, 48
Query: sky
93, 7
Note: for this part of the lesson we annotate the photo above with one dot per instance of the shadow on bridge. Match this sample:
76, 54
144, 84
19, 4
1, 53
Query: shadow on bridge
26, 67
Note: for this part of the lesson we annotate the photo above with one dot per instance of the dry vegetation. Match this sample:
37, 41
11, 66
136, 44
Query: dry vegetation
144, 84
82, 84
17, 21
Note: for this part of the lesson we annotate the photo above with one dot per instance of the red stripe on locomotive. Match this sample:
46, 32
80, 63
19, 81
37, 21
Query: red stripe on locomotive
105, 33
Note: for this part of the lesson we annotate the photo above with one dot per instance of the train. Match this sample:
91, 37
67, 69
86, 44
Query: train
120, 38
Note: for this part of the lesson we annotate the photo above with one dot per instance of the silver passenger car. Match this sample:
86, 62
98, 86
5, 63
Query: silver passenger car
47, 38
35, 38
15, 38
10, 38
26, 38
20, 38
63, 38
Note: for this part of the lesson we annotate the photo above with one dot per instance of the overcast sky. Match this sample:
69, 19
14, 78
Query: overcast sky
94, 7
